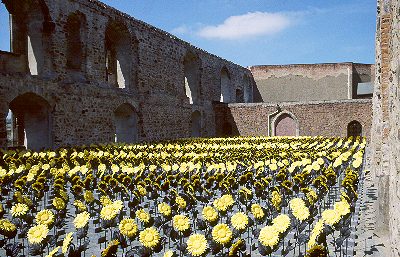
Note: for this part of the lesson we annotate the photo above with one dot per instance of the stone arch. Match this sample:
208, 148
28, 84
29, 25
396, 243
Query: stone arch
5, 28
248, 89
225, 82
30, 26
126, 124
285, 124
354, 128
31, 121
192, 66
196, 124
121, 55
76, 41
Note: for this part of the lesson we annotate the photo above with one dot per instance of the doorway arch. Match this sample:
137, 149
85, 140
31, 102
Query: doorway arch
30, 114
196, 124
126, 124
285, 124
354, 128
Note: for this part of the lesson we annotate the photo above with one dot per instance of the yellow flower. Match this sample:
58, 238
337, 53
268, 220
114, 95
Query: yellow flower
181, 202
81, 219
227, 200
105, 200
319, 226
299, 209
88, 196
197, 244
108, 212
210, 214
281, 223
59, 203
7, 226
52, 252
19, 209
37, 234
128, 227
181, 222
269, 236
257, 211
45, 217
239, 220
66, 242
80, 205
142, 190
149, 237
142, 215
331, 217
342, 207
111, 249
276, 200
164, 209
222, 234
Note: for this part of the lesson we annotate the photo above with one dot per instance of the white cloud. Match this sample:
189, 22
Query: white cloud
180, 30
247, 26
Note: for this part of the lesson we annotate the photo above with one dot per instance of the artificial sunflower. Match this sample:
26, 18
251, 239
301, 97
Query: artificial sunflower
88, 196
45, 217
342, 207
181, 202
66, 242
239, 220
257, 211
197, 244
81, 220
59, 203
111, 249
6, 226
19, 209
331, 217
143, 215
53, 252
80, 205
222, 234
108, 212
128, 227
210, 214
269, 236
180, 223
149, 237
169, 253
37, 234
164, 209
281, 223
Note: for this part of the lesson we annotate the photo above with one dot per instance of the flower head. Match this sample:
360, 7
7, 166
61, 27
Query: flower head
45, 217
281, 223
331, 217
210, 214
239, 220
108, 212
222, 234
7, 226
269, 236
59, 203
128, 227
37, 234
19, 209
197, 244
181, 202
342, 207
52, 252
180, 222
143, 215
257, 211
164, 209
66, 242
81, 219
149, 237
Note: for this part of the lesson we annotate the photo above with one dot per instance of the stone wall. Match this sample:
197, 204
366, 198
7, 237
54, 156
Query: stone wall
318, 118
84, 77
309, 82
385, 134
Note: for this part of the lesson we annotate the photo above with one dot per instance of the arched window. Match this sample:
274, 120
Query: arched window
285, 124
5, 29
76, 34
121, 56
354, 129
192, 77
29, 118
248, 90
196, 124
126, 124
226, 94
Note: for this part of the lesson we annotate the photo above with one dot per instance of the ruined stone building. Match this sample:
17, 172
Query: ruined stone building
80, 72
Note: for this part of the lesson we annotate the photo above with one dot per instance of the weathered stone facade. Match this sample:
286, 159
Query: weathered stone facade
385, 134
318, 118
80, 60
311, 82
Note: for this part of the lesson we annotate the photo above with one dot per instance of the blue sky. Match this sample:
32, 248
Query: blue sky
255, 32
